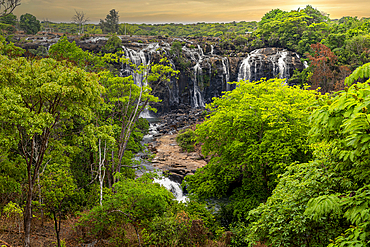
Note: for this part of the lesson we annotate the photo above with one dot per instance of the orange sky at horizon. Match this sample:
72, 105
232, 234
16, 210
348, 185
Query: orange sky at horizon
186, 11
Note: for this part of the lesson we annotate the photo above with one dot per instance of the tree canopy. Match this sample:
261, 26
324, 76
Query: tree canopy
29, 24
250, 136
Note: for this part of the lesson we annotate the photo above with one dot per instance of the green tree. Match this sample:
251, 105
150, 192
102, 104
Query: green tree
113, 44
110, 24
326, 201
343, 122
282, 221
29, 24
57, 188
134, 202
37, 99
9, 19
250, 136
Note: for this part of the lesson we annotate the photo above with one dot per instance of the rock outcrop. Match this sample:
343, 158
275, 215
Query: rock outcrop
205, 67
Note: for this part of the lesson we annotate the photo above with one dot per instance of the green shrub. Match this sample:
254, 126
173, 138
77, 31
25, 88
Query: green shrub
113, 44
186, 140
176, 230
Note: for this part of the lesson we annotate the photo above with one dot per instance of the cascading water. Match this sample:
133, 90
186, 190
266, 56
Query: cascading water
145, 166
197, 57
226, 72
261, 63
245, 70
173, 187
283, 67
197, 95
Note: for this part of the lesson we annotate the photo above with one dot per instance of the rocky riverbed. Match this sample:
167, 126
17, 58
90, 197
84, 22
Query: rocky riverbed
169, 157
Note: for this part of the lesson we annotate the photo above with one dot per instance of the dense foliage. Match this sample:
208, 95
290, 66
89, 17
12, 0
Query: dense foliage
29, 24
324, 202
251, 135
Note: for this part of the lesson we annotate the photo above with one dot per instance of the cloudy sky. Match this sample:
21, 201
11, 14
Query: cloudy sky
183, 11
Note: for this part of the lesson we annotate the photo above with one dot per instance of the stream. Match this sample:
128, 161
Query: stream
147, 166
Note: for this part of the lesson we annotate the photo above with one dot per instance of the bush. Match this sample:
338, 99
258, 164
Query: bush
186, 140
113, 44
176, 230
135, 203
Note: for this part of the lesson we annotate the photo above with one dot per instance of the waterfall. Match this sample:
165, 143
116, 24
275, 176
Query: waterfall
264, 63
197, 95
226, 72
197, 57
143, 57
173, 187
283, 67
138, 58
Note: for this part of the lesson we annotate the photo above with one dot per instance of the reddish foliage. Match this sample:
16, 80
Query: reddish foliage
326, 74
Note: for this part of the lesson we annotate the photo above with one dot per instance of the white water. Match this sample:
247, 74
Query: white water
145, 166
173, 187
283, 67
196, 56
254, 60
226, 72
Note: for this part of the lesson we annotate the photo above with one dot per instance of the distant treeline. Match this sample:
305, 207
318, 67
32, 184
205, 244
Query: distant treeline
169, 30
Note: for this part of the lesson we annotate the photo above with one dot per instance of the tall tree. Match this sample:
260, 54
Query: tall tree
110, 24
29, 24
37, 99
80, 19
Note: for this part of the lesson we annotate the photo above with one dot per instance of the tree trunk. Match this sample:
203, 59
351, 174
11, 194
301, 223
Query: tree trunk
28, 211
57, 229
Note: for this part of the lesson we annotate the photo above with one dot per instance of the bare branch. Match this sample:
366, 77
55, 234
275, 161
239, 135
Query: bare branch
7, 6
79, 18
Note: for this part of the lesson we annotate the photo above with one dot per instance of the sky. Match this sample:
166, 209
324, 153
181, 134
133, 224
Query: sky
183, 11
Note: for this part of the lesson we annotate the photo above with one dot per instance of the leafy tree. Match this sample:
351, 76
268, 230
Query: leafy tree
251, 135
285, 30
110, 24
38, 98
357, 50
9, 19
323, 63
57, 188
317, 16
65, 50
282, 219
326, 74
271, 15
343, 121
29, 24
328, 198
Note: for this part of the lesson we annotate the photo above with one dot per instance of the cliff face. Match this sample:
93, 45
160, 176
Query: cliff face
205, 68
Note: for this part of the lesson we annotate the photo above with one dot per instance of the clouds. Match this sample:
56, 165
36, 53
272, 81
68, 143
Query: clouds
188, 11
